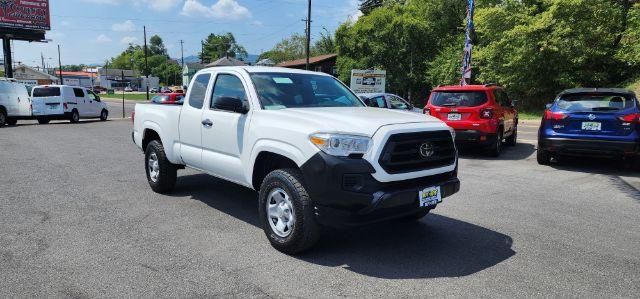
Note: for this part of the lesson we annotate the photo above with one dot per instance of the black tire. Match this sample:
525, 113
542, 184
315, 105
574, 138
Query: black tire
43, 121
416, 216
513, 139
543, 157
75, 116
12, 121
104, 114
306, 231
166, 172
3, 117
495, 149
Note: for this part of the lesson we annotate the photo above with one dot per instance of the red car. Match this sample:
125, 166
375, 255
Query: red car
482, 115
168, 98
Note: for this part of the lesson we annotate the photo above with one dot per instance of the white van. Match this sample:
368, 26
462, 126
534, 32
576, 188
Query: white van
15, 103
66, 102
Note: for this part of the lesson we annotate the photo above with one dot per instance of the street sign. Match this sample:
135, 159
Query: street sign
368, 81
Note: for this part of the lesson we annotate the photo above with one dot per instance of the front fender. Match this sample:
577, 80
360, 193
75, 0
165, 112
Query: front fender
277, 147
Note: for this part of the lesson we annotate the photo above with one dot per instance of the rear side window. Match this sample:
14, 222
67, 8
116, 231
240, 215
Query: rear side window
78, 92
502, 98
596, 102
41, 92
199, 90
459, 98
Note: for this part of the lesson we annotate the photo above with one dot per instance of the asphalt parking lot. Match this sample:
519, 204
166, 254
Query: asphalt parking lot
77, 219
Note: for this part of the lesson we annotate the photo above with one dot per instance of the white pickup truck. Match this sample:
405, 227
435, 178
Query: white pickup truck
311, 148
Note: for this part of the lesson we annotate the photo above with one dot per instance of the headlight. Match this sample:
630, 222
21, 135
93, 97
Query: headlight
341, 145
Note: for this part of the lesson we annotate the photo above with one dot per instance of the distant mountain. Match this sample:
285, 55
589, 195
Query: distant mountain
251, 58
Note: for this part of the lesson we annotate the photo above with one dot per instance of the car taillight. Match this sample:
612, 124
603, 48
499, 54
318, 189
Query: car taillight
629, 118
65, 106
554, 115
486, 114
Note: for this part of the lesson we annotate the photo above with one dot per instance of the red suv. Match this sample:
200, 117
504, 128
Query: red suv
481, 114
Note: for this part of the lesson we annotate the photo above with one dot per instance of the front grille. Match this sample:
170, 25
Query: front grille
402, 152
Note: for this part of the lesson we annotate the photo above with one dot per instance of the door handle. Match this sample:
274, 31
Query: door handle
207, 123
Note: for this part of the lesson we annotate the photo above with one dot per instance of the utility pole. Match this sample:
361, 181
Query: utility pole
60, 65
202, 52
468, 45
146, 63
308, 33
123, 91
44, 70
182, 52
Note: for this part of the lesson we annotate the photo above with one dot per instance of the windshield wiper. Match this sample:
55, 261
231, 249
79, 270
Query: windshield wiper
605, 109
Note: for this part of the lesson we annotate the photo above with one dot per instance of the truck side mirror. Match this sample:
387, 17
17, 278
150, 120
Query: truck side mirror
231, 104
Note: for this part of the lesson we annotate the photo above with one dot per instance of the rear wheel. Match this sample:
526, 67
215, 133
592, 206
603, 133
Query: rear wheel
3, 117
496, 148
513, 139
75, 116
543, 157
43, 121
286, 212
161, 173
104, 114
12, 121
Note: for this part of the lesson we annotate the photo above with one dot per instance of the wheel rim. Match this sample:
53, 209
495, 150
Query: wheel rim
104, 115
280, 213
154, 167
76, 117
3, 119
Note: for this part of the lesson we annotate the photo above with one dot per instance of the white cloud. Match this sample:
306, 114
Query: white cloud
103, 39
257, 23
126, 26
129, 40
223, 9
162, 5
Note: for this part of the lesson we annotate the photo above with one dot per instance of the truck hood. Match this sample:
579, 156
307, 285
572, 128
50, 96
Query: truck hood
354, 120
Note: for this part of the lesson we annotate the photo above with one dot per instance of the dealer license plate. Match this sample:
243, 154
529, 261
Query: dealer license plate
430, 197
591, 126
454, 116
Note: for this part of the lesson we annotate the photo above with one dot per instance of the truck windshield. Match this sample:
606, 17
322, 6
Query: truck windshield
595, 102
286, 90
41, 92
459, 98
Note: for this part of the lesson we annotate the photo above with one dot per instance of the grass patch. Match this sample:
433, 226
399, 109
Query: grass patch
127, 96
530, 115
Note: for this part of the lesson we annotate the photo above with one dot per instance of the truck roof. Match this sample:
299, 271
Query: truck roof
263, 69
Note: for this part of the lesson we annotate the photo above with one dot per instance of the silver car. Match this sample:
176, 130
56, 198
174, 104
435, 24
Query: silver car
388, 101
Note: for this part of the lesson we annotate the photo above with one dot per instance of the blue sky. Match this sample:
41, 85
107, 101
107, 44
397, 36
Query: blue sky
90, 31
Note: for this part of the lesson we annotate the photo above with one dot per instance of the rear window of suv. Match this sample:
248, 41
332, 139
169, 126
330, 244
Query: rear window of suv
595, 102
459, 98
42, 92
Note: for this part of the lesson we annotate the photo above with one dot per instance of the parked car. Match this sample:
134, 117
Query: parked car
168, 98
388, 101
66, 102
165, 90
15, 102
317, 155
482, 115
128, 89
153, 90
591, 122
98, 89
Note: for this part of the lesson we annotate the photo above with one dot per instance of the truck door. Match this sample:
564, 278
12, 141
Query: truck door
190, 125
223, 131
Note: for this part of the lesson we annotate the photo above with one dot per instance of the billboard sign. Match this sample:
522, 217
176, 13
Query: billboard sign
368, 81
25, 14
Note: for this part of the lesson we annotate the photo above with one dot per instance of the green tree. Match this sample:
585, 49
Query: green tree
223, 45
291, 48
326, 44
156, 46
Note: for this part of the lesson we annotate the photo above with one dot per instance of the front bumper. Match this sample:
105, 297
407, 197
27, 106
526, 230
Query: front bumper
589, 147
345, 193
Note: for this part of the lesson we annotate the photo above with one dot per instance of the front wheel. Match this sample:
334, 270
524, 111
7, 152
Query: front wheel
286, 212
104, 114
161, 173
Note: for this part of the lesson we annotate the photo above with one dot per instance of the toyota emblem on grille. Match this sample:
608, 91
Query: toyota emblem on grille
591, 116
426, 150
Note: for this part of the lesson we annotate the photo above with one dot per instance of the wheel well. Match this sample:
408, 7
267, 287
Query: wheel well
267, 162
149, 135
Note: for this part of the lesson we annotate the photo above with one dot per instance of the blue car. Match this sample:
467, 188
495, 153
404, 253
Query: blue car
591, 122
